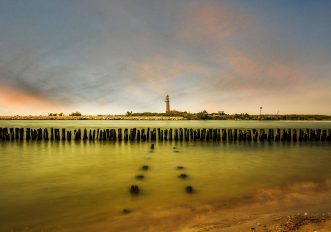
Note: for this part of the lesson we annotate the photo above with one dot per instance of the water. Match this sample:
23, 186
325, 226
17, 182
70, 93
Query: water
70, 124
55, 186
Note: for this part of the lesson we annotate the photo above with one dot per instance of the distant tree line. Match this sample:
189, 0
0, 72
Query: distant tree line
62, 114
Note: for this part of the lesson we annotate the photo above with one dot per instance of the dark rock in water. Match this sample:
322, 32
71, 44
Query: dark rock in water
176, 151
145, 167
189, 189
183, 176
126, 211
180, 167
134, 189
174, 148
140, 177
152, 146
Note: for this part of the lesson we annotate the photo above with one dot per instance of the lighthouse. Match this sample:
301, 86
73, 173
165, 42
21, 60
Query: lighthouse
167, 101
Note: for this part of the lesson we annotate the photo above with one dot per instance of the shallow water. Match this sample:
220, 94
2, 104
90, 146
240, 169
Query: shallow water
164, 124
48, 185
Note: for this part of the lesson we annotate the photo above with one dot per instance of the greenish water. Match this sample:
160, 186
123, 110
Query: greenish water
163, 124
51, 185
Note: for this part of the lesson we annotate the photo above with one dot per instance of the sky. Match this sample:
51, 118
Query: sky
110, 57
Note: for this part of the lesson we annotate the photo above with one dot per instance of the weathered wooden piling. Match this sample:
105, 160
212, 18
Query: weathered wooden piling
63, 137
21, 137
45, 134
171, 134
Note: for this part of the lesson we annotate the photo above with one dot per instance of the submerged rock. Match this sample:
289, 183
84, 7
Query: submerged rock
134, 189
152, 146
183, 176
126, 211
189, 189
145, 167
180, 167
140, 177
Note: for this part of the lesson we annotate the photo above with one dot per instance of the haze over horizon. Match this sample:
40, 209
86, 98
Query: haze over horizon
109, 57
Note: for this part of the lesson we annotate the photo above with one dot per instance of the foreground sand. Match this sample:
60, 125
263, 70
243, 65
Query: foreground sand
299, 207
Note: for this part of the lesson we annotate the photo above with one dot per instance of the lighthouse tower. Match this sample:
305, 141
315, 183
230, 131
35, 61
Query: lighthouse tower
167, 101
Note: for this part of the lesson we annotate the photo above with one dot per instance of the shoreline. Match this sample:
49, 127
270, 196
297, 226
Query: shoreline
141, 118
301, 207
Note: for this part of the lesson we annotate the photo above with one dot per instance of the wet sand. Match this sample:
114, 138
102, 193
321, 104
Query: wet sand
302, 206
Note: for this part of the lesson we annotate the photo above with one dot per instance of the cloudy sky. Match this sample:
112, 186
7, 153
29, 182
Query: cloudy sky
108, 57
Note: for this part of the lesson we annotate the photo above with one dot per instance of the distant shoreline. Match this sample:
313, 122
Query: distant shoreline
174, 118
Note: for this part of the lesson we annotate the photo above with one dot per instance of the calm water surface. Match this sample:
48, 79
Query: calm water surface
46, 185
164, 124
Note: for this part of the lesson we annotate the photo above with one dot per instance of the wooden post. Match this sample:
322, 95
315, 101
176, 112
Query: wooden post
295, 136
323, 135
235, 134
138, 135
181, 136
230, 137
255, 135
223, 135
22, 134
198, 134
165, 134
148, 134
176, 134
46, 134
28, 134
143, 135
63, 137
12, 134
262, 135
328, 137
126, 136
16, 133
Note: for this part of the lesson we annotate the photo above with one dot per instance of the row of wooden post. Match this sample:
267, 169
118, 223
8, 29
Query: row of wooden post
176, 134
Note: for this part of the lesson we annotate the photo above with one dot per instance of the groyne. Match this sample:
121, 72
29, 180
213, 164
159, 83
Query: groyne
169, 134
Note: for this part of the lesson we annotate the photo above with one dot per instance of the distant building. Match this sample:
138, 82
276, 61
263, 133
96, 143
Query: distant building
167, 101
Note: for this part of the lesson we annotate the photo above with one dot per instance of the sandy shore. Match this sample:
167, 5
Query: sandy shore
304, 206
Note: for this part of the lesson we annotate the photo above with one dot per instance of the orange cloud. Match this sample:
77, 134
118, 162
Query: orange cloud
264, 72
211, 21
19, 99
